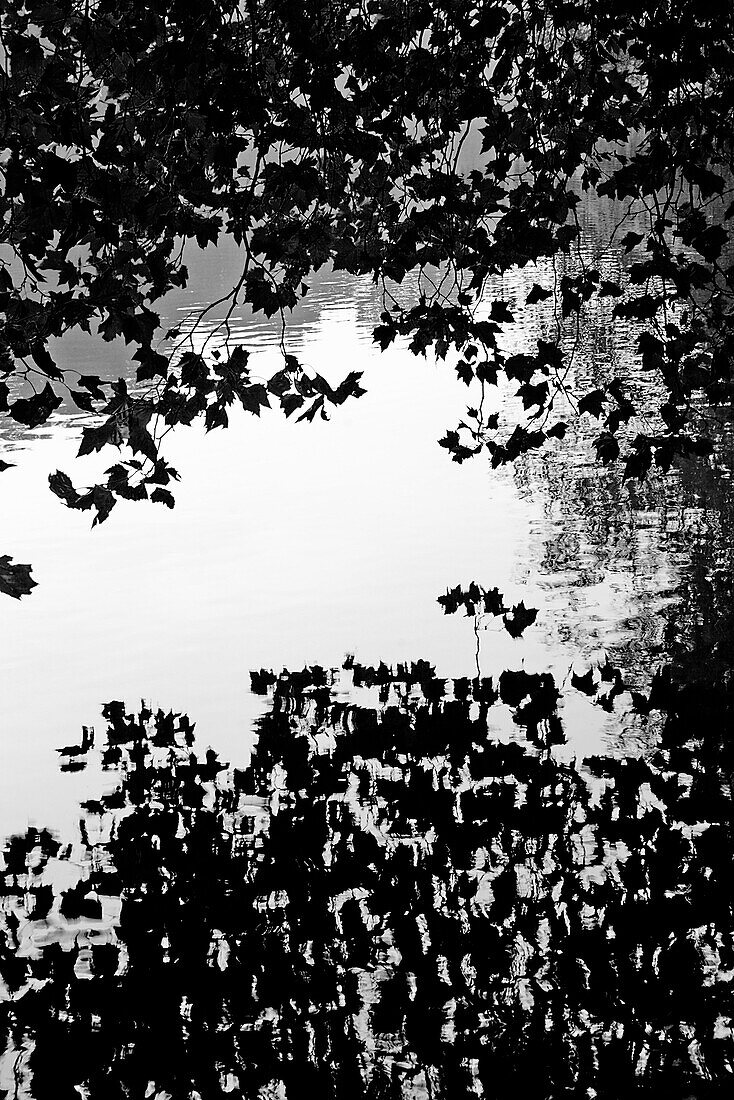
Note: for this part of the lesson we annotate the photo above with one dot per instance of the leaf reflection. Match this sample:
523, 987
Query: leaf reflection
395, 899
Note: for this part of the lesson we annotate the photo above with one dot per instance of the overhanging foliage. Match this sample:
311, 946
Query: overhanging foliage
333, 133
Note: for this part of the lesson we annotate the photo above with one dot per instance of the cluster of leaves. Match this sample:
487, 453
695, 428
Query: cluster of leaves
198, 388
478, 601
333, 134
388, 900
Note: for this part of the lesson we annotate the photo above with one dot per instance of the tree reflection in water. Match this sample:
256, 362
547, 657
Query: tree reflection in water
411, 892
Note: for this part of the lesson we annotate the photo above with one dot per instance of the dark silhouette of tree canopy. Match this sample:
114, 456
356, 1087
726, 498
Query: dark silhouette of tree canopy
333, 133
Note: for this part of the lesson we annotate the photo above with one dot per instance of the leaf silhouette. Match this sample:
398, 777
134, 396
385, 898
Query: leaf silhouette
519, 618
631, 240
15, 579
537, 294
163, 496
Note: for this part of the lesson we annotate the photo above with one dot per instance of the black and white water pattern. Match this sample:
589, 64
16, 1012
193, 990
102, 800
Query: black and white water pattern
434, 860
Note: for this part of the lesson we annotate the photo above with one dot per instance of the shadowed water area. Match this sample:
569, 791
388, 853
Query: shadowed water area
504, 869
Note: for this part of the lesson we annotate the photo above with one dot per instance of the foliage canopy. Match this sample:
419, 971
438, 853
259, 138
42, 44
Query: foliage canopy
333, 133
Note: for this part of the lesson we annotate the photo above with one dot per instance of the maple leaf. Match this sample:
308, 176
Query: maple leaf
139, 438
631, 240
152, 363
60, 484
34, 411
42, 358
280, 383
94, 384
102, 500
488, 372
15, 579
607, 447
289, 402
384, 335
519, 618
254, 397
450, 602
162, 496
592, 402
537, 294
500, 311
557, 431
261, 294
94, 439
493, 601
465, 372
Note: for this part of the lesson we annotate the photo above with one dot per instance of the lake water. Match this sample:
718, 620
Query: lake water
389, 884
297, 543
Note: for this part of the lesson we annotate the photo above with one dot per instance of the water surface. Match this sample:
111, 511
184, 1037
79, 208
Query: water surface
297, 543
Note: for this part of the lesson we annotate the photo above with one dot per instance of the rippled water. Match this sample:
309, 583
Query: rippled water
295, 543
408, 894
406, 882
